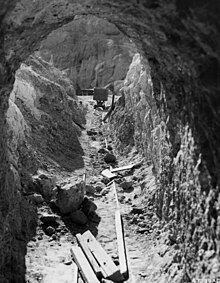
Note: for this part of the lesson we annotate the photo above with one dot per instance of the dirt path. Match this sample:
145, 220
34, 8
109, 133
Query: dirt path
48, 258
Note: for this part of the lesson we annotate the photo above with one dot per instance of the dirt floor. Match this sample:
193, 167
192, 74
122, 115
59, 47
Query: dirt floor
48, 257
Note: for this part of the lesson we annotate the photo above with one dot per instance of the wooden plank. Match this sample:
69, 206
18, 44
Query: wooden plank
83, 265
121, 245
111, 271
75, 273
127, 167
116, 195
89, 255
106, 173
84, 178
106, 144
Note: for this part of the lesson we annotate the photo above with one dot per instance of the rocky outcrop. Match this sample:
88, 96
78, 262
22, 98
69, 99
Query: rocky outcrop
43, 119
91, 50
148, 120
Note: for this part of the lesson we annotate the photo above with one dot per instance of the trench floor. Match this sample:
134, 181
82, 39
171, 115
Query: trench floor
48, 259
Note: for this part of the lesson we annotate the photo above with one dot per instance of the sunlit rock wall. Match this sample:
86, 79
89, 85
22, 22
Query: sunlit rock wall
91, 50
184, 199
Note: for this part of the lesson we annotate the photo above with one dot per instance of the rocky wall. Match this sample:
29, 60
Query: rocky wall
185, 198
91, 50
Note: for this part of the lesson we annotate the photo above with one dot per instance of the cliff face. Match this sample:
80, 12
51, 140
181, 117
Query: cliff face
92, 51
42, 132
170, 112
43, 118
186, 198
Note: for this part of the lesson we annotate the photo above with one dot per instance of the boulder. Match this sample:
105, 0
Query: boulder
49, 231
126, 185
36, 198
45, 185
49, 218
109, 158
70, 197
137, 210
90, 189
88, 206
91, 132
78, 217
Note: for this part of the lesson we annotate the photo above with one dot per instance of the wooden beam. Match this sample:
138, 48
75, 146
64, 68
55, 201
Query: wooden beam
89, 255
83, 265
116, 195
127, 167
121, 245
75, 273
106, 173
111, 271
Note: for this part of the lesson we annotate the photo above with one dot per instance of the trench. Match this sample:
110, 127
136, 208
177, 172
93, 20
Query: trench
48, 258
162, 59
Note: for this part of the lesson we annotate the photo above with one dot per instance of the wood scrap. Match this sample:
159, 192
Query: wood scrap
106, 173
127, 167
111, 271
89, 255
75, 273
83, 265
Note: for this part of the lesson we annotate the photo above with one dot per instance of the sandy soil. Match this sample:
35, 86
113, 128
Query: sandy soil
48, 258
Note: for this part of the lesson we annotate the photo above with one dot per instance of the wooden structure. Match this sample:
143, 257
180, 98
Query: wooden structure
108, 268
83, 265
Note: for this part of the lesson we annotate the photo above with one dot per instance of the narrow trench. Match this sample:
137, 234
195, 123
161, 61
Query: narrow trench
48, 257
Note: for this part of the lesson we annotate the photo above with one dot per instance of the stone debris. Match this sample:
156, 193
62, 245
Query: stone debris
126, 185
78, 217
49, 218
70, 197
88, 206
36, 198
49, 231
109, 158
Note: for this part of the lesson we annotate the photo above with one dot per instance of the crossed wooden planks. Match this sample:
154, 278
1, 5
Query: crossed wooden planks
93, 261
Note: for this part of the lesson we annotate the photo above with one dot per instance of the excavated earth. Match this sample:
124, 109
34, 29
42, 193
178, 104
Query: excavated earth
162, 60
48, 257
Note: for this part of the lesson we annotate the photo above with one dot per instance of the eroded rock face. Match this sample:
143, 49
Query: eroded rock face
43, 118
91, 50
144, 119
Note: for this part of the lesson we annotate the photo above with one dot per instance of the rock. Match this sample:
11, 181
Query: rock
99, 187
40, 237
91, 132
79, 217
68, 260
88, 206
105, 180
109, 147
49, 218
104, 191
137, 210
96, 60
70, 197
90, 189
126, 185
49, 231
102, 150
109, 158
36, 198
142, 230
45, 185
